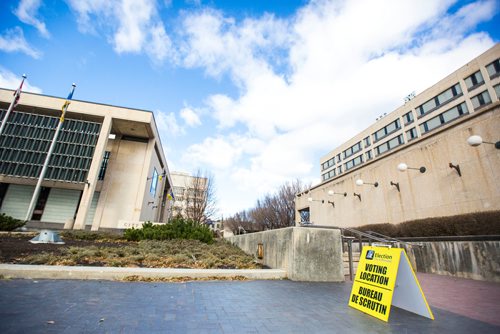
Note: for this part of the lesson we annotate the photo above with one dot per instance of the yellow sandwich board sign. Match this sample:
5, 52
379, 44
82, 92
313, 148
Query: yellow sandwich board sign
384, 278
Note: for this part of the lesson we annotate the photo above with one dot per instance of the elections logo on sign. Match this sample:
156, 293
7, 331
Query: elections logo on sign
369, 254
374, 289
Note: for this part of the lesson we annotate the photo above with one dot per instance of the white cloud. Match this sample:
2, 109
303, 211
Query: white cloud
27, 12
310, 83
13, 41
12, 81
190, 117
132, 26
167, 124
217, 153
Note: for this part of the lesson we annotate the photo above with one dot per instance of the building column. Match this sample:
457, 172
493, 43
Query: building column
95, 166
143, 185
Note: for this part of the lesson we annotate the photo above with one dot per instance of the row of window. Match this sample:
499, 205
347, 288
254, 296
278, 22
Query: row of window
387, 130
352, 150
472, 82
354, 162
328, 164
42, 121
440, 99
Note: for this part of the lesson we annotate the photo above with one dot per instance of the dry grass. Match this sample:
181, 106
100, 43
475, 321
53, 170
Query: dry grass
150, 254
136, 278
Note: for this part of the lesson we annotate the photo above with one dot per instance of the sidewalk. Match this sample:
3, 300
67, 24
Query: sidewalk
473, 299
91, 306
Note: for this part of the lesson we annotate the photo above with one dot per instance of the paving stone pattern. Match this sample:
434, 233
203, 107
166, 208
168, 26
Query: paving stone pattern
70, 306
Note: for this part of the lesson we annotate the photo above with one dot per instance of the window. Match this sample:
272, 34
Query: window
338, 158
408, 118
104, 165
497, 91
328, 175
474, 80
440, 100
354, 162
480, 100
387, 130
328, 164
368, 155
411, 134
367, 141
305, 216
339, 170
494, 68
443, 118
389, 145
352, 150
154, 183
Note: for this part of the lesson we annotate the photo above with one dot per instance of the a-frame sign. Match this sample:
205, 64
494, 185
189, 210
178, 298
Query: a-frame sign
384, 278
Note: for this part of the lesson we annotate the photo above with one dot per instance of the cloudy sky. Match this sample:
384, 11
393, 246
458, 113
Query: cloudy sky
253, 91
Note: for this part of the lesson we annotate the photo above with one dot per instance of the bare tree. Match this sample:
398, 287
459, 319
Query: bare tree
200, 197
271, 212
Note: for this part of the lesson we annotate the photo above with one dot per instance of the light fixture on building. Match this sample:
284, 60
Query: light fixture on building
360, 182
403, 167
476, 140
358, 196
332, 203
456, 167
331, 193
310, 199
396, 184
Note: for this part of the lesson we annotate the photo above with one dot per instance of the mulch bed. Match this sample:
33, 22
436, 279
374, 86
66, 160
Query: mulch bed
16, 246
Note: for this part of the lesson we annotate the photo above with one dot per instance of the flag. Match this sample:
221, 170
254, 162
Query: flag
17, 93
66, 103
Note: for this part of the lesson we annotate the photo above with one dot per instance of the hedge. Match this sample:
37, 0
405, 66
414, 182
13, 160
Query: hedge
7, 223
178, 228
477, 223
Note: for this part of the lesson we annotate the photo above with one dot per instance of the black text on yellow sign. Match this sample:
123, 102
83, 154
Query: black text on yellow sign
373, 290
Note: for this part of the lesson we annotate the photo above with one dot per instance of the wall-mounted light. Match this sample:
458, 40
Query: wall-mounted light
396, 184
310, 199
403, 167
331, 193
456, 167
332, 203
360, 182
358, 196
476, 140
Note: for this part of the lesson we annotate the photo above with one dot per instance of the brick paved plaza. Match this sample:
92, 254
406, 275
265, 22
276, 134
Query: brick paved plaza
71, 306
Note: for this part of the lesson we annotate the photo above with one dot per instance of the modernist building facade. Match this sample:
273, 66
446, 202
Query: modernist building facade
430, 130
108, 169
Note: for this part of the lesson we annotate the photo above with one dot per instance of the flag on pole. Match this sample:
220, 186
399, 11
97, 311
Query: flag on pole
17, 93
66, 103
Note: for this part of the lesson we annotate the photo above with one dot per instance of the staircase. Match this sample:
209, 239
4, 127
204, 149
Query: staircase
355, 262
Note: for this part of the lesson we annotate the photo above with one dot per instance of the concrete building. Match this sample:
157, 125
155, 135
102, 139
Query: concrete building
108, 169
430, 130
189, 192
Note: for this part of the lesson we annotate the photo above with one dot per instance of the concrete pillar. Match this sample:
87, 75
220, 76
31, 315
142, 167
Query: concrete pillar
144, 182
88, 191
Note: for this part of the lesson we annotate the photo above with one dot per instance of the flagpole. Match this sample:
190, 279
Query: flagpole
38, 187
12, 105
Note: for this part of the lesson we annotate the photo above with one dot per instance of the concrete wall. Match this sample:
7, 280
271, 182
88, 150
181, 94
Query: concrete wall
478, 260
306, 254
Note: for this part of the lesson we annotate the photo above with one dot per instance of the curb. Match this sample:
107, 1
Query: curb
119, 273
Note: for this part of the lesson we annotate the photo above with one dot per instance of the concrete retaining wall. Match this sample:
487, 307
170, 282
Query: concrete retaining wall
478, 260
306, 254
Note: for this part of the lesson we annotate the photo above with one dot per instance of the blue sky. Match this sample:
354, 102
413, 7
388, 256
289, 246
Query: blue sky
255, 92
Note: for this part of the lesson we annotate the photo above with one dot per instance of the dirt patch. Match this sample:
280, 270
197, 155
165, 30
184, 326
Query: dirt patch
15, 247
